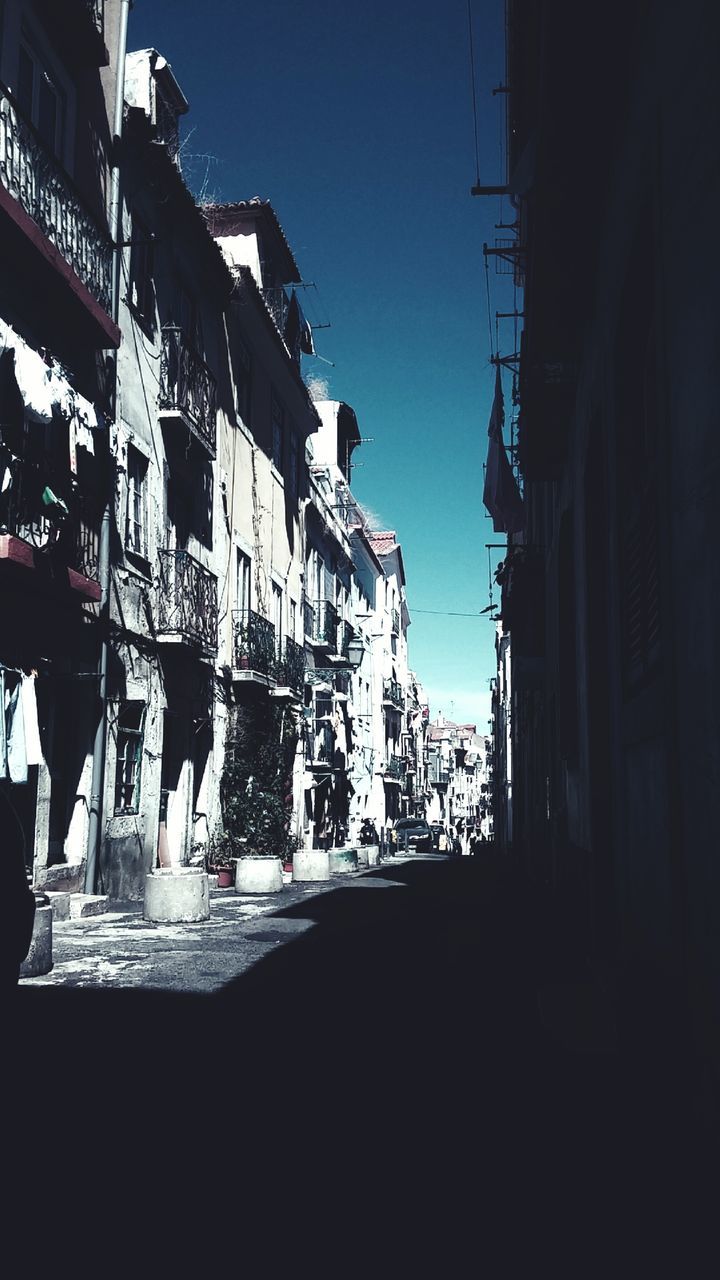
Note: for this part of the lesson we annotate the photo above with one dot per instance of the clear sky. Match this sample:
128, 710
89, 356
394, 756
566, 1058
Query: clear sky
356, 121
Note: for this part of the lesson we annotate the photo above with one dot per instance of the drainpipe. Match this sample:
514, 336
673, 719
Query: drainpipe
98, 758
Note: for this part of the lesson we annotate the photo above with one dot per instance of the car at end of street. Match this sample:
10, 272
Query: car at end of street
413, 833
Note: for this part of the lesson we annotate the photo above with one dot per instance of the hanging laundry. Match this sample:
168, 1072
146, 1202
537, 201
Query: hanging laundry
63, 396
15, 732
86, 421
33, 379
501, 496
57, 506
33, 748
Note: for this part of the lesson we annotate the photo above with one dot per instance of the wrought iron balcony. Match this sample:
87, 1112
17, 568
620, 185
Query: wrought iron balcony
64, 524
33, 177
277, 303
345, 634
395, 622
392, 694
394, 768
322, 618
290, 670
187, 387
253, 642
187, 602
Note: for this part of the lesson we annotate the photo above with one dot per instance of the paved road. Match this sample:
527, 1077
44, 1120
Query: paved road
419, 1041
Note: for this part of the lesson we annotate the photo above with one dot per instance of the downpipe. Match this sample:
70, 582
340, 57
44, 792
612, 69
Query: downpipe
98, 758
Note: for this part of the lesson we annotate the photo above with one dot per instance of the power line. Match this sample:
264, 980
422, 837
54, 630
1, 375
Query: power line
447, 613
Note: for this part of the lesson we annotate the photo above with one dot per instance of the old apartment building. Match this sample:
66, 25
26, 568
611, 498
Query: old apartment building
607, 734
188, 584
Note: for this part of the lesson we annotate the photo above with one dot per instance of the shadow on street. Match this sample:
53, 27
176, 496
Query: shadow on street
413, 1044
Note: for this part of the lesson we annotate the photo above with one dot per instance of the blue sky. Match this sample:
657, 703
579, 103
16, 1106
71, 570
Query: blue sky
355, 121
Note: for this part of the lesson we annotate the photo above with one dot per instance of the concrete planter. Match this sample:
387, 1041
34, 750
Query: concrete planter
342, 861
258, 875
311, 864
363, 859
373, 853
39, 958
176, 895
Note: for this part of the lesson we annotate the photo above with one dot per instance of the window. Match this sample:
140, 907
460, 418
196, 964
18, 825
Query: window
242, 378
278, 431
242, 582
277, 617
136, 517
130, 729
292, 632
40, 98
142, 265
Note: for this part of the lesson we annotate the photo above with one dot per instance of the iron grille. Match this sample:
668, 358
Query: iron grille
187, 600
187, 386
33, 177
325, 623
291, 670
345, 634
75, 535
396, 622
254, 640
96, 9
392, 693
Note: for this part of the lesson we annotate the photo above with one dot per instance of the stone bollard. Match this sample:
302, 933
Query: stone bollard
39, 958
311, 864
258, 874
373, 852
342, 861
176, 895
363, 855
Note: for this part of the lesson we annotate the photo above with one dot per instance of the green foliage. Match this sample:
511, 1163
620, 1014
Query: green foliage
255, 788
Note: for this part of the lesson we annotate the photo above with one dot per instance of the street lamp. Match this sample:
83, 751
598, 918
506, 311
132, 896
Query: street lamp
355, 651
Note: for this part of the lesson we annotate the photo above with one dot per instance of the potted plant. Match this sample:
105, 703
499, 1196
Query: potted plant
221, 857
256, 796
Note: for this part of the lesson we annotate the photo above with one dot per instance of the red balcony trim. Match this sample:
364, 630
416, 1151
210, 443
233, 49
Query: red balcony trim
17, 551
24, 222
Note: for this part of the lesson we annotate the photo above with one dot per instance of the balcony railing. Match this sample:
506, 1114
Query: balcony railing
395, 620
96, 10
187, 386
187, 604
394, 768
321, 622
254, 642
392, 694
69, 531
277, 303
345, 634
33, 177
290, 670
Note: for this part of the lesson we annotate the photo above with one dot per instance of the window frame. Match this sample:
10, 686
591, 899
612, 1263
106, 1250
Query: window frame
136, 502
42, 71
130, 741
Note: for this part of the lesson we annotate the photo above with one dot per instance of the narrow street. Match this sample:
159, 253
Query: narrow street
417, 1035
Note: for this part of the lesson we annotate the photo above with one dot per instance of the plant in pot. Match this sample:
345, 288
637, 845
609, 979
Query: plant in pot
256, 796
221, 857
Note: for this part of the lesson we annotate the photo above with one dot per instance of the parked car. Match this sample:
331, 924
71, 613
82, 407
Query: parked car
413, 833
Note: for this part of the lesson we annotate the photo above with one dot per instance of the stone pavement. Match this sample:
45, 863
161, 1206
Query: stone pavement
417, 1051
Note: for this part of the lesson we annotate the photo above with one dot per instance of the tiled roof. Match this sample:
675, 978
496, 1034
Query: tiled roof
383, 543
